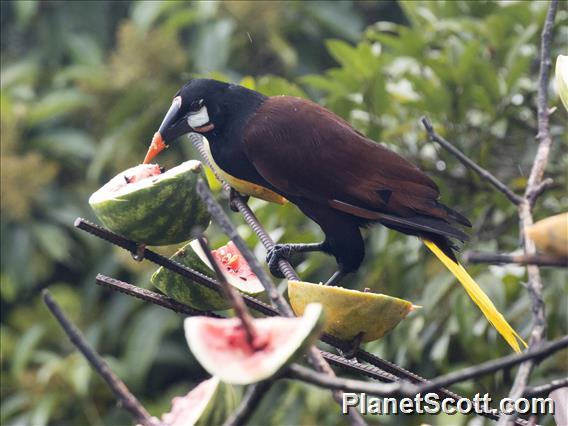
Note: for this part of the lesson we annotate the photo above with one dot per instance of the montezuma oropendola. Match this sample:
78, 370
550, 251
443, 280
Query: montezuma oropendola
284, 147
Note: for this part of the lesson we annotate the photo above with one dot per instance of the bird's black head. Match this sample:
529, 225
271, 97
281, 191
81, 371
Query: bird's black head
201, 106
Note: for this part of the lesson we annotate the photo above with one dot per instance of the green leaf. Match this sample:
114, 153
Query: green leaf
25, 348
215, 37
145, 13
43, 409
143, 344
67, 144
57, 104
52, 240
342, 52
275, 86
25, 10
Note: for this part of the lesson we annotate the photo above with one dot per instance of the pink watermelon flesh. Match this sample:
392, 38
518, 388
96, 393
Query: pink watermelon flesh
226, 340
145, 172
184, 408
230, 259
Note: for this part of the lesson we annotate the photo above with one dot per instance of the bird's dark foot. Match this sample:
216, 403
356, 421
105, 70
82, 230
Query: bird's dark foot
355, 343
233, 197
285, 251
279, 251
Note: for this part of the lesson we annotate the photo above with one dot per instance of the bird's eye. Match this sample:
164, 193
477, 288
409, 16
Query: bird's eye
196, 105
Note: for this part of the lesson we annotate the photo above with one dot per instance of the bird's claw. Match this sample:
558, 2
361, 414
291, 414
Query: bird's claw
279, 251
233, 197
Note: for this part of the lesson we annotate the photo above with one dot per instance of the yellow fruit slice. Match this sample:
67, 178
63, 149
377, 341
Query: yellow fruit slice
350, 312
562, 79
550, 235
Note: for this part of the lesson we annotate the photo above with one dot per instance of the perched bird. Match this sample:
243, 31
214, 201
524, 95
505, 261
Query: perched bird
285, 148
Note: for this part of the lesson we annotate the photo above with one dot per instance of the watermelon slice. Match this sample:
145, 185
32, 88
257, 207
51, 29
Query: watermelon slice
153, 207
350, 312
210, 403
236, 269
221, 346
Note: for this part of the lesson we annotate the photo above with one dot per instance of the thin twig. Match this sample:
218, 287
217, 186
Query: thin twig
519, 259
540, 188
226, 225
234, 297
150, 296
488, 176
532, 391
534, 187
250, 401
404, 388
121, 391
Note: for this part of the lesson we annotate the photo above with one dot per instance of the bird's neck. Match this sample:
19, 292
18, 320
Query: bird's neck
226, 143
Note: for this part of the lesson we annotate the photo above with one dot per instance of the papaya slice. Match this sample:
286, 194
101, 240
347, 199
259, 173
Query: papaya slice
550, 235
348, 313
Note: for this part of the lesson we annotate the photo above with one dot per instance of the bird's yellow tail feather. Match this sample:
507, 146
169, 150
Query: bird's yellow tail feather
479, 297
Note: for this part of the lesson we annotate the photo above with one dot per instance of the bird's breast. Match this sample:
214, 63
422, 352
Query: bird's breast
241, 185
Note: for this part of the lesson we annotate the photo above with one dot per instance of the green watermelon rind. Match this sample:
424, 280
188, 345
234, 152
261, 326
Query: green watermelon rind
160, 210
187, 291
220, 406
191, 293
299, 341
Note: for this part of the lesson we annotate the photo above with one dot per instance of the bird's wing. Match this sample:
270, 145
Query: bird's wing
304, 150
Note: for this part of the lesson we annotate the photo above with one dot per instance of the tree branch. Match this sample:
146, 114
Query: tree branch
121, 391
403, 388
150, 296
488, 176
534, 187
250, 401
520, 259
533, 391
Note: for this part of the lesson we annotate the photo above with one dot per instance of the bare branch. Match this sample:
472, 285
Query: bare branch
121, 391
540, 390
150, 296
488, 176
540, 188
252, 398
534, 187
408, 389
520, 259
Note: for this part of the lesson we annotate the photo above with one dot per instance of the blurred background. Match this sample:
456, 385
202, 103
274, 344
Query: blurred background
85, 84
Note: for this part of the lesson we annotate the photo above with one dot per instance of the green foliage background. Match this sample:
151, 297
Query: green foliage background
85, 84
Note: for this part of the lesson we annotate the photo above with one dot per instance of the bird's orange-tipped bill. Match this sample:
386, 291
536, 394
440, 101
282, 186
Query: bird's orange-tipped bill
155, 148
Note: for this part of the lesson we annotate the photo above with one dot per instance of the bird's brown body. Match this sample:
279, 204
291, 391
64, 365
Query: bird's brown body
339, 178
